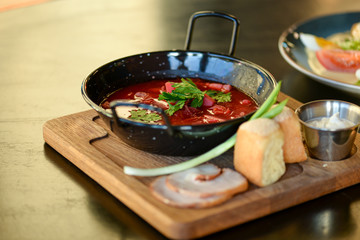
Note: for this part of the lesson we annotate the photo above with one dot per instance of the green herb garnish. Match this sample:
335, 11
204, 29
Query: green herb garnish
184, 91
350, 44
357, 83
219, 96
143, 115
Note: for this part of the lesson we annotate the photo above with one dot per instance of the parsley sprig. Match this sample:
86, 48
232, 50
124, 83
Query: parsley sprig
143, 115
219, 96
187, 91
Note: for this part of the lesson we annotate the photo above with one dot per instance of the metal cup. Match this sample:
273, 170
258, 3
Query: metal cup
325, 144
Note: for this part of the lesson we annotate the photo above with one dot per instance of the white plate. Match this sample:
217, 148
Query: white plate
294, 52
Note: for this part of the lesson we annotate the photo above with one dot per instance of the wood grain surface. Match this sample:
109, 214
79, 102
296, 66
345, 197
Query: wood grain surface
83, 139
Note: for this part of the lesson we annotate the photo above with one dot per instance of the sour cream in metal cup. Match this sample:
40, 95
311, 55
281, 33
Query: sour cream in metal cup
329, 128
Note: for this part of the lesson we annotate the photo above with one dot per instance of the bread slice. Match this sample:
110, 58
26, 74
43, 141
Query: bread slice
258, 153
294, 150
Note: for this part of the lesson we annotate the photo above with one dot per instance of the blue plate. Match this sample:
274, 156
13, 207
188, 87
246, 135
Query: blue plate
294, 52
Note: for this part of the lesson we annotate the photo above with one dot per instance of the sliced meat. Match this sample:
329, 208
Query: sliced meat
219, 109
229, 182
219, 87
160, 190
205, 171
226, 88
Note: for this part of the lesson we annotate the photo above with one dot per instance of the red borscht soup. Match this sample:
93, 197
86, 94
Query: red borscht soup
185, 101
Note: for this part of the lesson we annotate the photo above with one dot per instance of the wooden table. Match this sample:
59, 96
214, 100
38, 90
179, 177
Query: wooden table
46, 50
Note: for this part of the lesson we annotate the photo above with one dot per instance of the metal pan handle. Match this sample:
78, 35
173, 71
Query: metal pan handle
115, 104
197, 15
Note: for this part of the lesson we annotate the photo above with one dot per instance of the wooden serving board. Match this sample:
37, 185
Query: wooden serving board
84, 140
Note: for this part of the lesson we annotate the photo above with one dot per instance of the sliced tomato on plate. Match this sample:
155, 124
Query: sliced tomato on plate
339, 60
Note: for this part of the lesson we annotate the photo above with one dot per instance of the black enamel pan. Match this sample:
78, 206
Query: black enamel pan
167, 139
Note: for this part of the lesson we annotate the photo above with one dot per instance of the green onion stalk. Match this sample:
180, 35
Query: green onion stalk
265, 111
